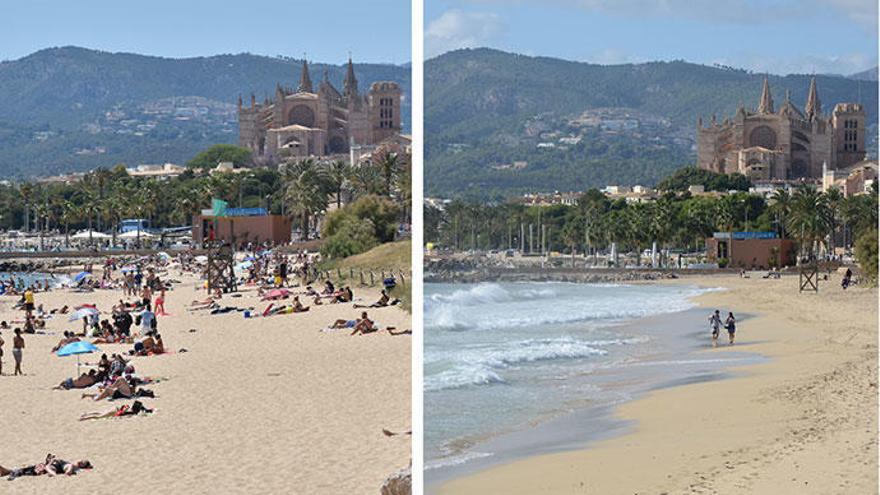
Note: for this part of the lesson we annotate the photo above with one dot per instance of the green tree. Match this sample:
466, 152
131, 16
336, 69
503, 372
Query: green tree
866, 255
209, 158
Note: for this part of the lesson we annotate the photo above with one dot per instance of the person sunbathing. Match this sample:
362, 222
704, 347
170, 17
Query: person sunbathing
85, 380
344, 324
120, 389
364, 325
144, 347
32, 470
136, 408
56, 466
383, 301
63, 310
298, 307
69, 337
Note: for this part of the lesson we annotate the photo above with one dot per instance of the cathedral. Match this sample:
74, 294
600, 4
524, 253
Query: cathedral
308, 122
783, 144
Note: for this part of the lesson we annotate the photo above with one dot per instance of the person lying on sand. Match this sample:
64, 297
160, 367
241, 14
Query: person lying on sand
69, 337
364, 325
344, 324
120, 389
32, 470
136, 408
85, 380
383, 301
52, 466
62, 310
56, 466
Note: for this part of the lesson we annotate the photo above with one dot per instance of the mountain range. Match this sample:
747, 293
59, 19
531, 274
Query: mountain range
71, 109
499, 123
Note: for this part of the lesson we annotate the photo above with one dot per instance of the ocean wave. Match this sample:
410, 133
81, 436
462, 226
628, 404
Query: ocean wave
490, 293
492, 306
455, 460
480, 365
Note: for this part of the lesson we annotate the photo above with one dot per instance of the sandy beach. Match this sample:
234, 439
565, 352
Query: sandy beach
264, 405
803, 422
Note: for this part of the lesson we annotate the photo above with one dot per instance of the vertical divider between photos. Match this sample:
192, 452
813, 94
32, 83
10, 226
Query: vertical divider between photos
417, 245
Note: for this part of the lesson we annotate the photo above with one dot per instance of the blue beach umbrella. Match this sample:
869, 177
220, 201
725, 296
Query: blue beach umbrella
81, 276
77, 348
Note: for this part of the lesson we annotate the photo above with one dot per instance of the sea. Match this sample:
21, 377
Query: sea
513, 369
23, 280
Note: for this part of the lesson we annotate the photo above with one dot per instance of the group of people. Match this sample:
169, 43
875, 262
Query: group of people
715, 325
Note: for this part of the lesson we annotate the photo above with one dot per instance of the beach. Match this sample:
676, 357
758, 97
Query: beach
260, 405
802, 421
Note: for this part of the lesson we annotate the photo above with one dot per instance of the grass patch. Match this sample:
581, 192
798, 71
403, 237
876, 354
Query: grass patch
391, 256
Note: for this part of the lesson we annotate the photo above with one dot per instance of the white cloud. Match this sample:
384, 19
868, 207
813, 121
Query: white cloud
610, 56
459, 29
863, 12
844, 64
731, 11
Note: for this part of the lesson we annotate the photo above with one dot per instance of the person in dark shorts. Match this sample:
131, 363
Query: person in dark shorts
731, 327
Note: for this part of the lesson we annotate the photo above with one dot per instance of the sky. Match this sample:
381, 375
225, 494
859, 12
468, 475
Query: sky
326, 30
771, 36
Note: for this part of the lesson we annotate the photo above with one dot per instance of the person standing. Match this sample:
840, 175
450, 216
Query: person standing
148, 321
715, 325
160, 303
17, 346
28, 302
731, 327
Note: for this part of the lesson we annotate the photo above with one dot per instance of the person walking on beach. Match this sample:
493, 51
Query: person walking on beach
731, 326
17, 346
715, 325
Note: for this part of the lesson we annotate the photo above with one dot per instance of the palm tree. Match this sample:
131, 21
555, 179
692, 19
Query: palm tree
366, 180
571, 235
41, 212
780, 206
338, 174
27, 191
389, 167
69, 213
89, 207
835, 202
304, 190
810, 219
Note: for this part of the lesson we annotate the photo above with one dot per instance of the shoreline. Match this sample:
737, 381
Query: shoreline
629, 378
712, 444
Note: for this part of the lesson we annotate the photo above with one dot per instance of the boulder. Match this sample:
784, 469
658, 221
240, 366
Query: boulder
399, 483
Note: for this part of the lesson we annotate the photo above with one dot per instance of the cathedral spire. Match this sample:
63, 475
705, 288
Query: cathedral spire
350, 85
305, 82
766, 104
814, 106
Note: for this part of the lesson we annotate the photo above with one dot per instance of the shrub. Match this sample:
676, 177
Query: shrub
351, 236
866, 255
